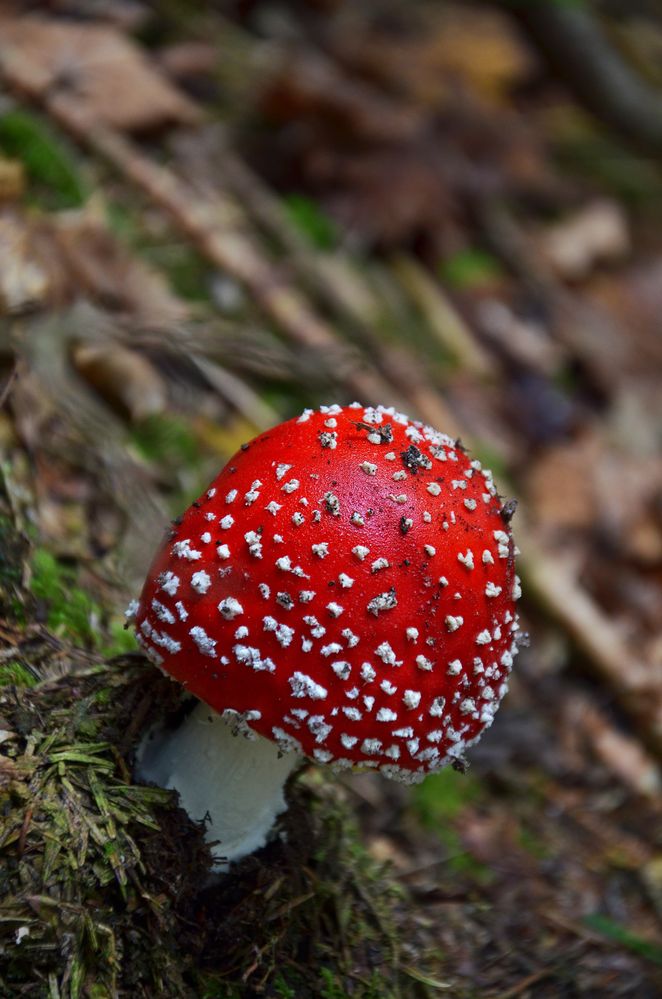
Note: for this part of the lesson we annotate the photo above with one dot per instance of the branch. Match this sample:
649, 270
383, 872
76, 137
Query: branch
577, 51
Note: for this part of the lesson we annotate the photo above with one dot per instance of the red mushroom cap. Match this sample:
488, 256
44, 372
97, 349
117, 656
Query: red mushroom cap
347, 586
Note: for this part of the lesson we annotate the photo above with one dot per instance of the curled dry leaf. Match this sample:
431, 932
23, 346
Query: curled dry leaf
125, 379
597, 234
112, 81
23, 283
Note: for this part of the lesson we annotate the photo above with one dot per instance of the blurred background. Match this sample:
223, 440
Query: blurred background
214, 214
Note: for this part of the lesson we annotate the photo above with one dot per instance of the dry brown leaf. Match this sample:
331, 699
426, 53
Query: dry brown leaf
12, 179
482, 47
125, 379
629, 488
389, 196
310, 85
23, 282
597, 234
54, 260
101, 268
595, 483
633, 296
188, 60
561, 492
477, 47
110, 77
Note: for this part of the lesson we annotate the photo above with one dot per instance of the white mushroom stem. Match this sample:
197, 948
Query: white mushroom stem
233, 782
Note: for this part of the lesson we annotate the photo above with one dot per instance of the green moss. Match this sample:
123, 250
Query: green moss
75, 838
470, 268
320, 230
183, 459
119, 641
438, 802
331, 988
123, 220
442, 796
109, 878
188, 273
211, 988
624, 937
460, 861
166, 439
70, 610
16, 673
282, 989
48, 161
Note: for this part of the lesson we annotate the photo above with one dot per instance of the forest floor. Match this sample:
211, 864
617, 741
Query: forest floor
211, 216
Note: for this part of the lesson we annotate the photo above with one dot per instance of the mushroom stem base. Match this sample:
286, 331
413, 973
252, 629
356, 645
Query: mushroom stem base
233, 782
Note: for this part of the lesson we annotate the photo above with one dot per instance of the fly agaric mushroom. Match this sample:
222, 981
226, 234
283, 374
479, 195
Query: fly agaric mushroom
344, 591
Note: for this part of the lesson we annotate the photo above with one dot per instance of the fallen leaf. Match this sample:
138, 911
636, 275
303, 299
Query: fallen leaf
100, 267
23, 283
12, 179
310, 85
597, 234
185, 61
448, 44
125, 379
571, 507
593, 483
389, 196
108, 75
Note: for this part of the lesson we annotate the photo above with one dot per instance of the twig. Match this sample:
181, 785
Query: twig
243, 398
7, 387
577, 50
633, 681
526, 983
622, 755
583, 329
340, 287
443, 320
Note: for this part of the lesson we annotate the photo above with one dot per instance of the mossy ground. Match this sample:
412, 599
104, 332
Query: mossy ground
104, 887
